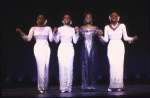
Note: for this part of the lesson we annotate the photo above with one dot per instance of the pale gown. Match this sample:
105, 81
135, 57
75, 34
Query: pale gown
115, 53
41, 53
66, 55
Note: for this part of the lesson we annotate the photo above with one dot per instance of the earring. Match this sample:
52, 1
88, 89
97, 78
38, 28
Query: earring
63, 22
37, 22
91, 22
45, 22
70, 22
118, 18
110, 18
84, 22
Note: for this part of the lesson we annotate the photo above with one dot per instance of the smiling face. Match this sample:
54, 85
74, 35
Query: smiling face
88, 19
114, 17
66, 19
40, 19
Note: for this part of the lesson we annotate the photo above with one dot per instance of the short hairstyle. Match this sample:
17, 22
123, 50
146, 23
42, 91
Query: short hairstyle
66, 14
87, 13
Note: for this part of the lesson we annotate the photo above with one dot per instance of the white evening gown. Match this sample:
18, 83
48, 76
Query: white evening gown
41, 53
66, 55
115, 53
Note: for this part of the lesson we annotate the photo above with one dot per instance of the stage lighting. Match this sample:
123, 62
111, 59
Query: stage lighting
20, 78
34, 79
137, 76
99, 77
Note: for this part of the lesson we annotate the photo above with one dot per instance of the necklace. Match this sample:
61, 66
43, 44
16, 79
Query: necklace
115, 25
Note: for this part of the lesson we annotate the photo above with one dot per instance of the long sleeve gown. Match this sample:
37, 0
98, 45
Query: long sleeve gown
89, 57
65, 55
115, 53
41, 53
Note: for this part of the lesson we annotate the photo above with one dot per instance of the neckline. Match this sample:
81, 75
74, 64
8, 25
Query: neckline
114, 28
66, 25
41, 26
89, 30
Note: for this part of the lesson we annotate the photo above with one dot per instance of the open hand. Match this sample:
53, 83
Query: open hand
55, 30
135, 37
76, 29
100, 33
18, 30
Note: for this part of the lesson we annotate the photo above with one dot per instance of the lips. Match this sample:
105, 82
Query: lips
113, 19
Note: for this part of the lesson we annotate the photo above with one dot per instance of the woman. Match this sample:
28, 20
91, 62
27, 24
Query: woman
66, 34
116, 50
89, 53
41, 50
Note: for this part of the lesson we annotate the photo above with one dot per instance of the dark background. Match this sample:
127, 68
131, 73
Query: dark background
17, 59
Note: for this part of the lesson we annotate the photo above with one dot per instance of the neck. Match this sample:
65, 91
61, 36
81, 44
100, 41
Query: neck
40, 25
88, 25
114, 23
66, 25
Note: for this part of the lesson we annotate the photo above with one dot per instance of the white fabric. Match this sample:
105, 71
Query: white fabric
41, 53
115, 53
66, 55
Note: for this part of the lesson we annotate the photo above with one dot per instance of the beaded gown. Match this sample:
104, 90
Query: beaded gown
89, 57
115, 53
66, 34
41, 53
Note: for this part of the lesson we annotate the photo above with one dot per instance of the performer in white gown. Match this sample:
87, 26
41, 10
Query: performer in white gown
116, 50
41, 50
65, 52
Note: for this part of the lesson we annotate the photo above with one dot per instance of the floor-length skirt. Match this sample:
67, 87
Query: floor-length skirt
42, 56
115, 53
65, 59
89, 67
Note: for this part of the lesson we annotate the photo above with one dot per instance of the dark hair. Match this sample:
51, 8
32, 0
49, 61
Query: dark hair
42, 15
66, 14
113, 11
87, 13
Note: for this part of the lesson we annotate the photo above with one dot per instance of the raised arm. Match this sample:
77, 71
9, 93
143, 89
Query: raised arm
56, 35
26, 37
76, 35
105, 38
50, 35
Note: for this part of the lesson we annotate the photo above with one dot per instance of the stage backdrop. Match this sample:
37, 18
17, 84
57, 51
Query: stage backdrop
17, 58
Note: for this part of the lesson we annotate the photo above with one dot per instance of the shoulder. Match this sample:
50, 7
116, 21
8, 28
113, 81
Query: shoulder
47, 27
32, 28
122, 24
71, 27
96, 27
60, 27
107, 26
81, 27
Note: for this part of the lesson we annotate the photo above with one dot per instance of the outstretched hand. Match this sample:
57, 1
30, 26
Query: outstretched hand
18, 30
100, 33
135, 37
76, 29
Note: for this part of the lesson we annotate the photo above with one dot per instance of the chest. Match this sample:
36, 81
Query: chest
41, 31
118, 31
66, 32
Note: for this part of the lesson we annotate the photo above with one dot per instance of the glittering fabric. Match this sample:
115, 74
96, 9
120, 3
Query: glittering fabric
89, 57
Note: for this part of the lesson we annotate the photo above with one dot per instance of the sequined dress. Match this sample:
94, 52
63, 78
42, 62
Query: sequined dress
41, 53
89, 57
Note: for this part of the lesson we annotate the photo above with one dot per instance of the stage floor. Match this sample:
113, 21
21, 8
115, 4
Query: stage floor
131, 91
